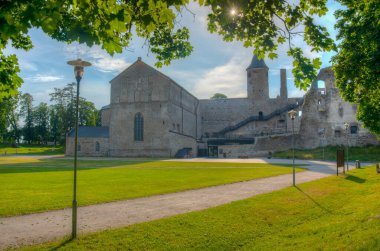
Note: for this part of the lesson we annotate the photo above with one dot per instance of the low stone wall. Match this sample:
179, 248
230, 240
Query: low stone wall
263, 147
132, 152
87, 147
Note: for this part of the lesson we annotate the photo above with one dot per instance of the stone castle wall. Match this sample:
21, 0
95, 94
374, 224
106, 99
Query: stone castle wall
164, 105
175, 119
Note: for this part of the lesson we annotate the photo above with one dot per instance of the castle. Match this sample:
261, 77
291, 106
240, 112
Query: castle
150, 115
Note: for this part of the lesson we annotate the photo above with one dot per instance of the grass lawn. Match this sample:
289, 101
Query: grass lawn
31, 150
370, 153
31, 185
335, 213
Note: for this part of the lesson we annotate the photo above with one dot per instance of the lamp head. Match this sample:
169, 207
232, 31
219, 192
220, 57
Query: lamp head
78, 72
79, 65
292, 114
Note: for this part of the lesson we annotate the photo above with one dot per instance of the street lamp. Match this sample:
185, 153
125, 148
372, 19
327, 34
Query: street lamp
292, 114
346, 125
78, 72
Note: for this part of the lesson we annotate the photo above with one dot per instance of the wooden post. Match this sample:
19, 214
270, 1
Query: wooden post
339, 160
377, 168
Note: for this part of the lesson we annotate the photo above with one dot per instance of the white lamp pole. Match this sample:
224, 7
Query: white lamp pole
346, 125
292, 114
78, 71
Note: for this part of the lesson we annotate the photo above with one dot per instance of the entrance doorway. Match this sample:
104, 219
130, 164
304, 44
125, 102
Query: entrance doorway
213, 151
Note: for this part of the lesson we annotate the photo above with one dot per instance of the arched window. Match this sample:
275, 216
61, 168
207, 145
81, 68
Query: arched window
354, 129
139, 127
97, 146
261, 115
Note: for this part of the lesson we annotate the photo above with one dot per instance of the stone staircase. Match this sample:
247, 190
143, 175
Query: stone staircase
262, 118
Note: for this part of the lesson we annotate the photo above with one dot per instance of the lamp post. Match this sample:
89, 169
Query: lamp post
78, 72
346, 125
292, 114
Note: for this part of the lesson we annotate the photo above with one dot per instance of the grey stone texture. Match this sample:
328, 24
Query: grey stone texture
174, 119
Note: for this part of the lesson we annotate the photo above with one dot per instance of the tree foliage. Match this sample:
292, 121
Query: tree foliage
26, 111
357, 65
108, 23
218, 96
262, 25
63, 112
44, 123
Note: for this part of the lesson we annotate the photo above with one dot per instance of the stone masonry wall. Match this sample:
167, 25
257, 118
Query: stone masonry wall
87, 147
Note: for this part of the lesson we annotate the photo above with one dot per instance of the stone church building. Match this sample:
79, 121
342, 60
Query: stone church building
150, 115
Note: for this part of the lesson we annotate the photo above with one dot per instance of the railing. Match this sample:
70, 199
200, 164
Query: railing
261, 118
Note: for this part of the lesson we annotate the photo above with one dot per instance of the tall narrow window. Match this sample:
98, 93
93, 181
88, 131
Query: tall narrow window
261, 116
139, 127
97, 146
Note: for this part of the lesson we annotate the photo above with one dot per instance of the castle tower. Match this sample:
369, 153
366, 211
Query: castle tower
257, 80
283, 88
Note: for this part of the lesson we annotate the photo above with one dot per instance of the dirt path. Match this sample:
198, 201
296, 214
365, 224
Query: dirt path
42, 227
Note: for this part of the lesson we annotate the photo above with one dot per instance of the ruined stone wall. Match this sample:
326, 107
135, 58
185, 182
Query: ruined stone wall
87, 147
324, 115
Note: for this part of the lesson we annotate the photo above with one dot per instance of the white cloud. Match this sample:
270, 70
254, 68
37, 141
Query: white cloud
44, 78
229, 79
109, 64
100, 59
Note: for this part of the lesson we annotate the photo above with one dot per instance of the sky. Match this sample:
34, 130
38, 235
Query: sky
214, 65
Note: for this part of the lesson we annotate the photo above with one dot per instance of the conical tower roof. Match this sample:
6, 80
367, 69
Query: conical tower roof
256, 63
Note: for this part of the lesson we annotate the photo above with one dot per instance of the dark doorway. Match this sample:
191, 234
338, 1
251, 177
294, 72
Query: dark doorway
213, 151
261, 115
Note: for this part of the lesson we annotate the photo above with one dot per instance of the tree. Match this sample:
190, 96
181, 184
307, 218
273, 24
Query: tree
11, 108
54, 124
4, 106
218, 96
262, 25
41, 120
26, 112
357, 65
87, 113
62, 113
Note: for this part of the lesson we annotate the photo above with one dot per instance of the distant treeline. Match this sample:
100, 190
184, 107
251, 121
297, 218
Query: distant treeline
20, 121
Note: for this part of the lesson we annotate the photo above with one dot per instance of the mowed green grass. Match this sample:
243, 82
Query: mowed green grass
31, 150
369, 153
335, 213
31, 185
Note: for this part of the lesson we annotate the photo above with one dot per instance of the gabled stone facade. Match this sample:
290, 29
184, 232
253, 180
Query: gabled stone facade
150, 115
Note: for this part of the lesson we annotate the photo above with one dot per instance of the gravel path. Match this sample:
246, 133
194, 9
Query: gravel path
52, 225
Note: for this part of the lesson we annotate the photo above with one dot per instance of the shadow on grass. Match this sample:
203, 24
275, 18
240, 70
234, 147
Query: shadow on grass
355, 179
59, 165
314, 201
62, 244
